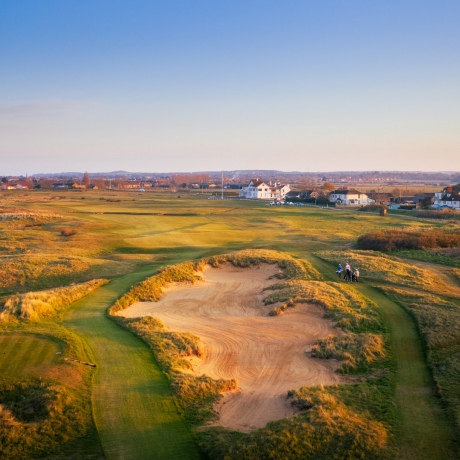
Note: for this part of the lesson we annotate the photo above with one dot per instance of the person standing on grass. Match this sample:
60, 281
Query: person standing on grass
348, 272
339, 270
356, 275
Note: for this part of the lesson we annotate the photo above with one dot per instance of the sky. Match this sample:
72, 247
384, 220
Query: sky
162, 86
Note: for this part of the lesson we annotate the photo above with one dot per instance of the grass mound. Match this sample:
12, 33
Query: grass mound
36, 417
357, 351
343, 304
382, 268
151, 289
31, 272
36, 306
328, 429
170, 347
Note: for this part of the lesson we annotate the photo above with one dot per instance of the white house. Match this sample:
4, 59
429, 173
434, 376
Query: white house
447, 198
259, 190
350, 197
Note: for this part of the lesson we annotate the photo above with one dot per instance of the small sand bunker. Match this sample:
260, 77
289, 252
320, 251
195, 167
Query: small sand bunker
265, 354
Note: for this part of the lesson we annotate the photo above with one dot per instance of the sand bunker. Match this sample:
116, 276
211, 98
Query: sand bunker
265, 354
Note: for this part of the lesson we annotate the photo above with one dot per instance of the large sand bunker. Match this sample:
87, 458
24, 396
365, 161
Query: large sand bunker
265, 354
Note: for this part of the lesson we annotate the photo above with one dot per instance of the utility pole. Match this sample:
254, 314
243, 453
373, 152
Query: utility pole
222, 186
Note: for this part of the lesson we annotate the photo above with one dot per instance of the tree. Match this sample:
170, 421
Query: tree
86, 179
328, 187
4, 180
426, 202
100, 183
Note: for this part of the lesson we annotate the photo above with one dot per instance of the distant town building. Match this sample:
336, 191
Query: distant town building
350, 197
448, 198
260, 190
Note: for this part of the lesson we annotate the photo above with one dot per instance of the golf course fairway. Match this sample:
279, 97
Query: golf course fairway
133, 406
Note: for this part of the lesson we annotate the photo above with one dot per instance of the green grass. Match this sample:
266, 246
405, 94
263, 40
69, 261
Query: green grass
415, 396
31, 373
449, 257
22, 354
133, 406
438, 322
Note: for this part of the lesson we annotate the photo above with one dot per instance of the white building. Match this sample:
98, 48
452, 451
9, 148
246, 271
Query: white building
350, 197
259, 190
447, 198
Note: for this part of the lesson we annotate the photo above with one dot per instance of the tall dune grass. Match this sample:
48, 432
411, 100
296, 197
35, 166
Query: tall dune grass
343, 304
37, 417
36, 306
328, 429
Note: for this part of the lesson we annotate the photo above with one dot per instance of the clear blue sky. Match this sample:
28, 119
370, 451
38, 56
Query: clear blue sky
208, 85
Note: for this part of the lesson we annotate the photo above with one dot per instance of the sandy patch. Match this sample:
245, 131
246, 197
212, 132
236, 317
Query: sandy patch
265, 354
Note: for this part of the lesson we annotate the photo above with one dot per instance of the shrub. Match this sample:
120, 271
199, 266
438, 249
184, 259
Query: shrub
68, 232
391, 240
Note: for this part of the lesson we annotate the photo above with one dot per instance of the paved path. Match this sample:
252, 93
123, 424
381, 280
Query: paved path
134, 411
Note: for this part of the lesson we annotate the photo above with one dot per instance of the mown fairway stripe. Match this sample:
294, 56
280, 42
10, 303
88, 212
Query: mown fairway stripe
133, 407
43, 354
24, 354
424, 429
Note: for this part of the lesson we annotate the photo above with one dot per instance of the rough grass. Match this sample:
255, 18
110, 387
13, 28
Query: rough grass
343, 304
36, 306
328, 429
438, 321
379, 267
45, 407
356, 351
151, 289
34, 271
36, 417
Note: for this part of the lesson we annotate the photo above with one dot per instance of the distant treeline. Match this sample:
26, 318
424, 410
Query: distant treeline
391, 240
